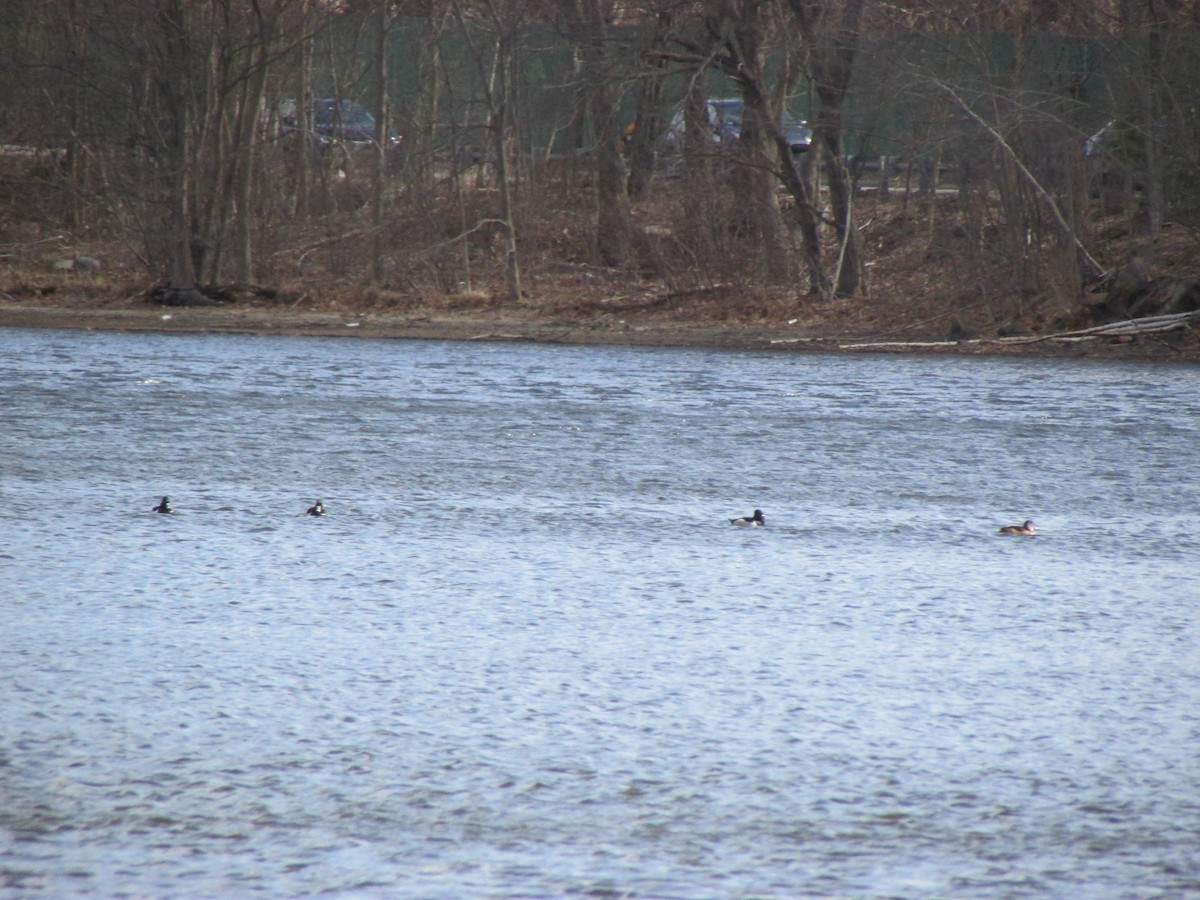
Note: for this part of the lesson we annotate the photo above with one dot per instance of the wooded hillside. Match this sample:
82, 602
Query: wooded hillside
993, 167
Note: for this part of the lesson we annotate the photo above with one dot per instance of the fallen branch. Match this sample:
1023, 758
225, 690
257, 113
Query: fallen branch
1145, 325
324, 242
1012, 154
876, 345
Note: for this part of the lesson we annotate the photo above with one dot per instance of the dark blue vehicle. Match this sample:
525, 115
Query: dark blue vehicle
344, 122
725, 117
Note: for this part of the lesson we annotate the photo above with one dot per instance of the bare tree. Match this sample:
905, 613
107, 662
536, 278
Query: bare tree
588, 24
179, 83
497, 21
648, 123
190, 104
737, 38
421, 141
730, 37
149, 122
1152, 144
742, 28
302, 116
382, 140
830, 37
1009, 128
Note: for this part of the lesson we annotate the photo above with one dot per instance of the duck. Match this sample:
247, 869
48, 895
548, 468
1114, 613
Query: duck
754, 520
164, 506
1027, 529
317, 509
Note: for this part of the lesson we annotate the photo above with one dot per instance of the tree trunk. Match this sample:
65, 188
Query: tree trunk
245, 152
647, 126
75, 26
174, 84
755, 177
808, 217
613, 227
382, 114
497, 96
500, 126
831, 61
500, 130
699, 223
303, 149
419, 145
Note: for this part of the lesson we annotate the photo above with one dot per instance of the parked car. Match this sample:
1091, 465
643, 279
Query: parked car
343, 122
725, 119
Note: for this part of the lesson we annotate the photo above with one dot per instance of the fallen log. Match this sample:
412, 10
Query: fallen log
1146, 325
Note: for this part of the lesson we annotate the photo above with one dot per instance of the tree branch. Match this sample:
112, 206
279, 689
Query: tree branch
1096, 269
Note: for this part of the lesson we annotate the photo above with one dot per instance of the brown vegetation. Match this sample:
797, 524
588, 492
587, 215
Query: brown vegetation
509, 167
924, 287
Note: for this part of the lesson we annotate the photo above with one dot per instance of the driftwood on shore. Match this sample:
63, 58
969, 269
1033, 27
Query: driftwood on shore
1144, 325
1126, 328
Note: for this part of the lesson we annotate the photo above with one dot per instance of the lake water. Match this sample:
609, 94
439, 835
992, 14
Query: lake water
525, 654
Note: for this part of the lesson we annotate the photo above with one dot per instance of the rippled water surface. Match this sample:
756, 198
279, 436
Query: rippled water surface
526, 656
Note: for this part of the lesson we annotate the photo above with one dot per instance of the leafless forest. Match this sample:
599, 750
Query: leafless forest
1001, 164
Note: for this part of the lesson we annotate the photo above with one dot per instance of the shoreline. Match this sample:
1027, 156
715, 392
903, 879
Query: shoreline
723, 336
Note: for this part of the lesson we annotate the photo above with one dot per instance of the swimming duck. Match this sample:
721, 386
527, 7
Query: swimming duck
1028, 528
756, 519
164, 507
317, 509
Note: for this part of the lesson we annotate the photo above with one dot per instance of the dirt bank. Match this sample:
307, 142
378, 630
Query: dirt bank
1180, 346
928, 292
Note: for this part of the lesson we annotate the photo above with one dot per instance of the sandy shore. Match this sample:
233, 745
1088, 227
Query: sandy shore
726, 336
